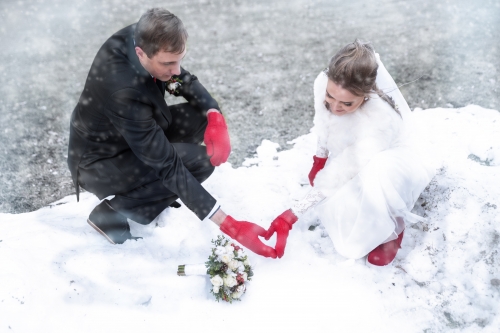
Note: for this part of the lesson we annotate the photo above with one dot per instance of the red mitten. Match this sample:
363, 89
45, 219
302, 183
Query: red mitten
247, 234
282, 226
319, 163
217, 139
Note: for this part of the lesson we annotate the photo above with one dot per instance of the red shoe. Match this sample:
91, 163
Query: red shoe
385, 253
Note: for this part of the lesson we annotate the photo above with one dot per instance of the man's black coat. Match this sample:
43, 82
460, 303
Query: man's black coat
117, 130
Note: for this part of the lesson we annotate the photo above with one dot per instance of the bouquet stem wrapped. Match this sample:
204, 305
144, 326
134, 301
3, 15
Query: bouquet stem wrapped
191, 269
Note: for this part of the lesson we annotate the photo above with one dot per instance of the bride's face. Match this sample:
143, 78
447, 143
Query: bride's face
340, 101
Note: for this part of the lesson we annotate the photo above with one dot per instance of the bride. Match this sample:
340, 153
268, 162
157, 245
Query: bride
367, 174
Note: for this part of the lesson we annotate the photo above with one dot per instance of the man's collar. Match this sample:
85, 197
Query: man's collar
132, 55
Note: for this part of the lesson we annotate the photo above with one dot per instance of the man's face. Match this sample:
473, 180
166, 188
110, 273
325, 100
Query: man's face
162, 65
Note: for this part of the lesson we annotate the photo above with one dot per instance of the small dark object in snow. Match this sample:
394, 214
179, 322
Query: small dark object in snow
175, 204
147, 302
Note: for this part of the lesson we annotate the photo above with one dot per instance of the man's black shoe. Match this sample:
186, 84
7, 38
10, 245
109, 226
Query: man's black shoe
109, 223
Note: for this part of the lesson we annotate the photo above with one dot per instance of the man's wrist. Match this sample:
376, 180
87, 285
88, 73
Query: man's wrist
218, 217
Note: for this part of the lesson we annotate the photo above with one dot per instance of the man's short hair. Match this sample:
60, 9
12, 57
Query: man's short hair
158, 29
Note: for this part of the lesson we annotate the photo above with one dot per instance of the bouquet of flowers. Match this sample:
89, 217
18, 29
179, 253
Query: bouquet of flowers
228, 267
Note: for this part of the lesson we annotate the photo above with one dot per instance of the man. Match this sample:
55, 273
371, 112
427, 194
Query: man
127, 142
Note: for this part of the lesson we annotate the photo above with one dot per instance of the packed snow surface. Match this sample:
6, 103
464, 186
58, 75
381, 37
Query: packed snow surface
58, 274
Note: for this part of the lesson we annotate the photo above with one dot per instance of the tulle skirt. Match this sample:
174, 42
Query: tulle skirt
372, 208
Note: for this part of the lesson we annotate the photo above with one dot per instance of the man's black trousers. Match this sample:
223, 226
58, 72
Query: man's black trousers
146, 201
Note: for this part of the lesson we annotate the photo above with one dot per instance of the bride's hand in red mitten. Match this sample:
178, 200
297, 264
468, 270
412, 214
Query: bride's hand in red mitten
319, 164
282, 226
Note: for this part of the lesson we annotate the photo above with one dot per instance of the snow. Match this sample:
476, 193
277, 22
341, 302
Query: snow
58, 274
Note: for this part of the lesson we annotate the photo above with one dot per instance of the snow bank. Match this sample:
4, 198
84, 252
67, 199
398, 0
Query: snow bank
58, 274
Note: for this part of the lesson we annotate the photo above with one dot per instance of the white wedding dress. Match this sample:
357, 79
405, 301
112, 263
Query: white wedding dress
374, 173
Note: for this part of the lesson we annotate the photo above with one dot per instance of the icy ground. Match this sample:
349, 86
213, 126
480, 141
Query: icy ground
58, 274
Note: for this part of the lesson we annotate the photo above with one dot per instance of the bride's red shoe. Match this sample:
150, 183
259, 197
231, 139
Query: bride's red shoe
385, 253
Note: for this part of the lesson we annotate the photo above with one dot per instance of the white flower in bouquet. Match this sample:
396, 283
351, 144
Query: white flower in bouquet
217, 281
220, 250
229, 248
240, 253
234, 265
215, 289
241, 269
239, 291
230, 281
226, 257
246, 262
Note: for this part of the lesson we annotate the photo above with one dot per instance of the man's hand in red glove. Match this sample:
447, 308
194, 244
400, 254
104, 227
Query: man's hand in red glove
217, 138
282, 226
246, 233
319, 163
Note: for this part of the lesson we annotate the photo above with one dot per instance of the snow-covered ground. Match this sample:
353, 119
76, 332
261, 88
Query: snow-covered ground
59, 275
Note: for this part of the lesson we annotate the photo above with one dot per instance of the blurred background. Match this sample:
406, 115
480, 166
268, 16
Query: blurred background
258, 58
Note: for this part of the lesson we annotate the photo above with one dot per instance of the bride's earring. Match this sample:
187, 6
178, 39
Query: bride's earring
366, 98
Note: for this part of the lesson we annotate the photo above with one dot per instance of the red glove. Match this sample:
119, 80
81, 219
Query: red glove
247, 234
217, 139
319, 163
282, 225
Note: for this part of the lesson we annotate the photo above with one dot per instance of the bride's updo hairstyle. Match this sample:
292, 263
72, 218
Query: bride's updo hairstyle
354, 68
